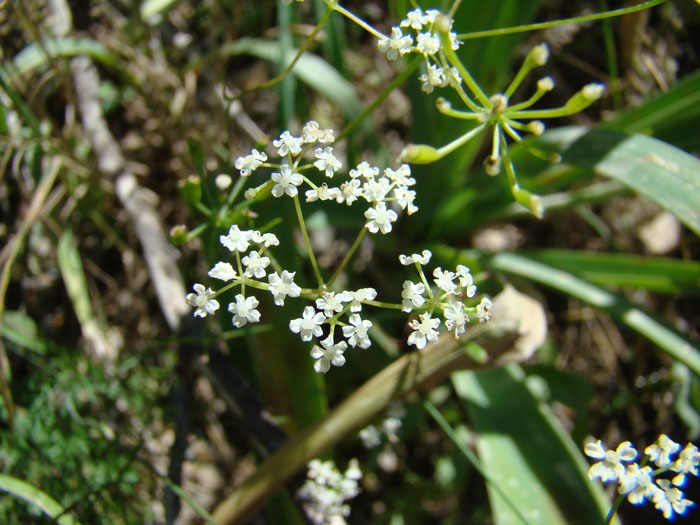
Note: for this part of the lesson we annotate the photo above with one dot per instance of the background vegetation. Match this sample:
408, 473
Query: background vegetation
117, 407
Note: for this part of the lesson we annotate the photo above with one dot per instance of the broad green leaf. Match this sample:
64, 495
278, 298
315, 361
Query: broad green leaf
658, 274
45, 503
22, 330
524, 448
616, 305
659, 171
311, 69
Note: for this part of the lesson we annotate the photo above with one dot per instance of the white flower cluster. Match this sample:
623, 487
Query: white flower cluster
426, 42
392, 187
450, 288
252, 266
638, 482
371, 435
326, 491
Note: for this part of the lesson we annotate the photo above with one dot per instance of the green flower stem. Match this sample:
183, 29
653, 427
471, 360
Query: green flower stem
529, 102
312, 257
196, 232
510, 131
544, 113
611, 513
235, 191
529, 200
348, 255
364, 25
449, 148
525, 68
407, 72
544, 25
201, 208
464, 115
381, 304
467, 99
441, 24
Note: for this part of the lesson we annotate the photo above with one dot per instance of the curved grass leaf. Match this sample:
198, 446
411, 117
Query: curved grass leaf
658, 274
524, 448
655, 169
617, 306
311, 69
32, 495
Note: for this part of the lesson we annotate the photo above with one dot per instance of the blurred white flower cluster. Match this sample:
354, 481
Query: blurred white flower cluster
638, 481
326, 491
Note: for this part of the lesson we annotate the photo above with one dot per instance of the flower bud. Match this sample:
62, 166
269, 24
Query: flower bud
584, 98
500, 103
540, 54
192, 189
419, 154
178, 234
443, 105
250, 193
222, 181
492, 165
593, 91
536, 127
545, 84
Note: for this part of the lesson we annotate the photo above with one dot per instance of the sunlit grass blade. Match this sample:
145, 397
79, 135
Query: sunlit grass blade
32, 495
523, 446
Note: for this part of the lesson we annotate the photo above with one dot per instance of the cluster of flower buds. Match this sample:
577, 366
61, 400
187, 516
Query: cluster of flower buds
326, 491
639, 481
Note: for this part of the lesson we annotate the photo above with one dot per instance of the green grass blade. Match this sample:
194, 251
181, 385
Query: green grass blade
617, 306
523, 447
658, 274
659, 171
32, 495
310, 69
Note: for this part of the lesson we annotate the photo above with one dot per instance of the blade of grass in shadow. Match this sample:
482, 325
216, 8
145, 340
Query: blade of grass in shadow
669, 340
32, 495
523, 446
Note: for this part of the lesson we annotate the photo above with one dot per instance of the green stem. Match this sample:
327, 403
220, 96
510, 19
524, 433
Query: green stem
544, 25
312, 257
364, 25
449, 148
613, 509
348, 255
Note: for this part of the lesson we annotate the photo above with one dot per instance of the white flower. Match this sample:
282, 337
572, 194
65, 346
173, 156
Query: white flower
422, 258
397, 44
349, 192
248, 164
687, 463
670, 499
432, 78
255, 265
637, 484
455, 318
611, 467
357, 333
370, 436
267, 239
401, 176
309, 325
236, 240
330, 354
222, 181
323, 193
283, 286
427, 43
661, 451
454, 79
466, 280
244, 310
483, 310
425, 331
405, 198
203, 300
331, 303
445, 280
288, 143
415, 19
360, 296
380, 219
364, 170
375, 190
287, 182
312, 133
412, 295
327, 161
222, 271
